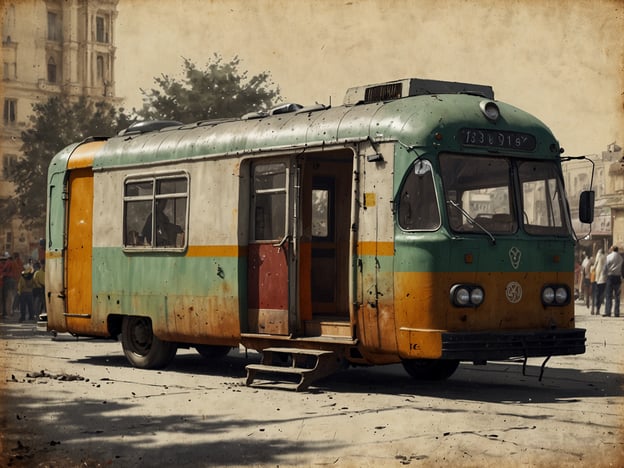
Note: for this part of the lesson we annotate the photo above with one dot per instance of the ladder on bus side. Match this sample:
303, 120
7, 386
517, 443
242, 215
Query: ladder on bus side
293, 368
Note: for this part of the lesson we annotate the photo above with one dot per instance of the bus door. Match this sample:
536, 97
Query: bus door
325, 239
272, 252
79, 246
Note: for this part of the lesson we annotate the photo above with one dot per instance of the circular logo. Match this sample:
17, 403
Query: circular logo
513, 291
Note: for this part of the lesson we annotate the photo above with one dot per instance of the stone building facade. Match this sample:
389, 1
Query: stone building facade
608, 184
49, 47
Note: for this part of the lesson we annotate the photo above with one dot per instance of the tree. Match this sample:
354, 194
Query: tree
218, 91
55, 124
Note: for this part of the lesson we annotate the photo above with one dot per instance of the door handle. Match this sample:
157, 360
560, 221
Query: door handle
280, 243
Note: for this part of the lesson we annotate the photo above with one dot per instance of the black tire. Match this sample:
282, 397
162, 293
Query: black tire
141, 347
430, 369
212, 352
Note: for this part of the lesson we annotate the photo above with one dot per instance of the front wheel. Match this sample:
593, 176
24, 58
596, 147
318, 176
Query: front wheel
141, 347
430, 369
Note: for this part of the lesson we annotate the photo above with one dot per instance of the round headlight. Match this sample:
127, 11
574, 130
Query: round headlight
548, 295
561, 295
462, 296
476, 296
490, 110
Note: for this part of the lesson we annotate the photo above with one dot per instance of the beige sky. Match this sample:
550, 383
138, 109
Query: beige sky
561, 60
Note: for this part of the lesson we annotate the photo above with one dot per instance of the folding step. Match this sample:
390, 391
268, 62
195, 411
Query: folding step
293, 367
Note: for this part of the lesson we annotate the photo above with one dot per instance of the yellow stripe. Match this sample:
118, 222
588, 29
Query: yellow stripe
376, 248
216, 251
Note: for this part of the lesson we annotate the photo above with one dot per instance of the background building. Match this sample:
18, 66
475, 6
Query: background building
49, 47
608, 183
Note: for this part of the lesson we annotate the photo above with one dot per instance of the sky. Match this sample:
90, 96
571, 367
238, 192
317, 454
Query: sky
561, 60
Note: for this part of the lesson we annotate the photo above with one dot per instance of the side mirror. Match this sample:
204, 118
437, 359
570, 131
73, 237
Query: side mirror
586, 206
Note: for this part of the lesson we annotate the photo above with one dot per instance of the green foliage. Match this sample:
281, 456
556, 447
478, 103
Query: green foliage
218, 91
55, 124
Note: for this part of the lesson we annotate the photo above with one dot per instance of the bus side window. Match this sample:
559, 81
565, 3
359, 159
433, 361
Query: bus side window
418, 206
156, 204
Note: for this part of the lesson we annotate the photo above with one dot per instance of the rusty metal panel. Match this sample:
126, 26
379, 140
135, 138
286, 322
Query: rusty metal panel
268, 288
80, 251
375, 251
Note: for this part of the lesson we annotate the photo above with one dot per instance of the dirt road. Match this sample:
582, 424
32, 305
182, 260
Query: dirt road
68, 402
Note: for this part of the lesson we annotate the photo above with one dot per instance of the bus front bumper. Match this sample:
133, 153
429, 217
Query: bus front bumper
486, 346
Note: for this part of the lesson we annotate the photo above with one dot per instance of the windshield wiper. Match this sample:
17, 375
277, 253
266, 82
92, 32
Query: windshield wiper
471, 220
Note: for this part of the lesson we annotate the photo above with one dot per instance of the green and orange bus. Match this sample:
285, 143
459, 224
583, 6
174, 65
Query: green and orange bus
421, 222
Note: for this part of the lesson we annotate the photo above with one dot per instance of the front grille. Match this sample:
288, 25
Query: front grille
485, 346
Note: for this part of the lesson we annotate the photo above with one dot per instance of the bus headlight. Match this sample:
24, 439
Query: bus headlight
555, 295
476, 296
561, 295
467, 295
548, 295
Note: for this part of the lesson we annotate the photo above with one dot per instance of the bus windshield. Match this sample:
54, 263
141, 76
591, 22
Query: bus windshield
482, 195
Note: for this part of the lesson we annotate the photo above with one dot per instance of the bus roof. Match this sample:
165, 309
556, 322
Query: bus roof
414, 121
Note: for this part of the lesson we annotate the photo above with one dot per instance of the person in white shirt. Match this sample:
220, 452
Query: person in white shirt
613, 269
601, 281
586, 285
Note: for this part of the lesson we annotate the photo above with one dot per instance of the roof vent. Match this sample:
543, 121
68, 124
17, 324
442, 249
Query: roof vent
411, 87
146, 126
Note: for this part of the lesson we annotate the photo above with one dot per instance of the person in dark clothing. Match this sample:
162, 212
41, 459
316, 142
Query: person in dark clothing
25, 293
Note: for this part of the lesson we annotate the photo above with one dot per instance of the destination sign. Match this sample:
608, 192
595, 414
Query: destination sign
497, 139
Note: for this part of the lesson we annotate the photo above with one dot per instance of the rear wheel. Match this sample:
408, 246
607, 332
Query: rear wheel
141, 347
430, 369
212, 352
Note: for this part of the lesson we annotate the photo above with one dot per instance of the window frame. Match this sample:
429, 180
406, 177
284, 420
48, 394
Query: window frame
102, 27
9, 110
516, 199
52, 70
8, 165
399, 200
155, 179
54, 25
556, 210
285, 189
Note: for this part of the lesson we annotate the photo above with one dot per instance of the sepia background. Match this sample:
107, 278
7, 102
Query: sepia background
561, 60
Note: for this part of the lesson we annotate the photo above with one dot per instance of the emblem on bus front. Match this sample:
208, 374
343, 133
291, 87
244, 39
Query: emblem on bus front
513, 291
514, 256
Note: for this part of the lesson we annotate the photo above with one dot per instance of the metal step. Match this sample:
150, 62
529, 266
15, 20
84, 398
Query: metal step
328, 327
293, 367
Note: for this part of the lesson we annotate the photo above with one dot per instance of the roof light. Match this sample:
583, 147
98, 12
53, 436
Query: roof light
490, 110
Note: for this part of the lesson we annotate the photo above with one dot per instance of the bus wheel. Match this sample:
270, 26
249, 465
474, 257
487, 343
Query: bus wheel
430, 369
141, 347
212, 352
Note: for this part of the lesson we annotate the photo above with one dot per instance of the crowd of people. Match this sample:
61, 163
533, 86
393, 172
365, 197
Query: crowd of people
601, 281
22, 287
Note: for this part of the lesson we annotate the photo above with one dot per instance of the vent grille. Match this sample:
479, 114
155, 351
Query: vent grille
385, 92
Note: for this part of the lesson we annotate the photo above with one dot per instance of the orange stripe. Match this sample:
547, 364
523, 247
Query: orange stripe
83, 155
216, 251
375, 248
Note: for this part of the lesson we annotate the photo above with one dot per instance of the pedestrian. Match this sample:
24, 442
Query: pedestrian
593, 286
25, 294
39, 291
601, 281
11, 273
613, 269
3, 260
586, 270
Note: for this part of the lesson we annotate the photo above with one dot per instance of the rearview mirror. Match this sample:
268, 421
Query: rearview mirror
586, 206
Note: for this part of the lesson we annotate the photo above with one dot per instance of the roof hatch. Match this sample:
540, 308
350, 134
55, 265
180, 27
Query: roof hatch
411, 87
